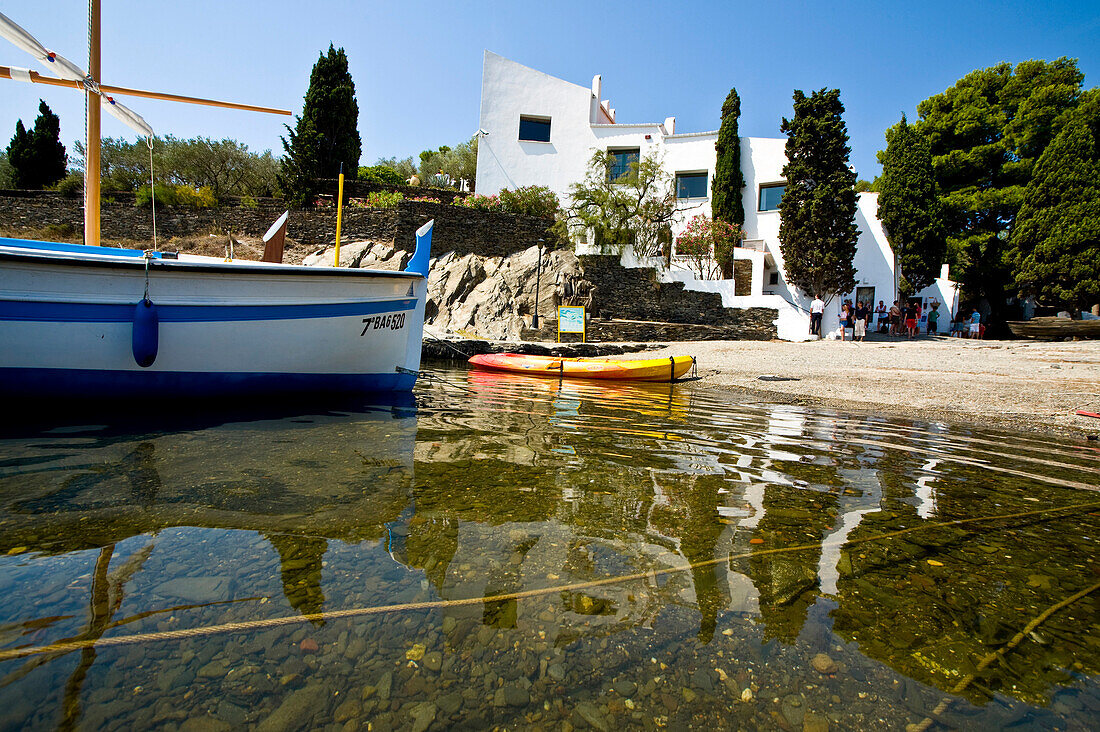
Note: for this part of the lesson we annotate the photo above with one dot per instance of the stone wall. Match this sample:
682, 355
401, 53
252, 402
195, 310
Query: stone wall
753, 324
636, 294
457, 229
469, 231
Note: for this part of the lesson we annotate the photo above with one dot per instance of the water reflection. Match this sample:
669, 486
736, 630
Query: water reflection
500, 517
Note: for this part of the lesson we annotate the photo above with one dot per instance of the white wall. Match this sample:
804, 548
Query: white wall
579, 125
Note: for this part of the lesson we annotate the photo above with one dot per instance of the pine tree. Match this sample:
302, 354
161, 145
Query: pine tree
908, 206
1055, 248
37, 157
817, 230
726, 203
987, 132
326, 133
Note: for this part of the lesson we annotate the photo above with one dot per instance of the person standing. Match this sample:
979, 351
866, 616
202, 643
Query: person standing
895, 319
817, 311
860, 331
910, 321
934, 319
881, 316
845, 317
976, 324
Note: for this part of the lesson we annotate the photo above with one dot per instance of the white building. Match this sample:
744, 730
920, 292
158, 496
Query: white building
536, 129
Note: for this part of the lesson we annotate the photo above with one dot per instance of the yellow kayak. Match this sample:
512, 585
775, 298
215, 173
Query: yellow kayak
626, 369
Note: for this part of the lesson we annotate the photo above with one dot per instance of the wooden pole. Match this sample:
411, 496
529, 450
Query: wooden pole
37, 78
91, 153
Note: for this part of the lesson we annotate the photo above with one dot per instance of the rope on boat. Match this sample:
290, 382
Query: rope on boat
927, 722
153, 199
248, 625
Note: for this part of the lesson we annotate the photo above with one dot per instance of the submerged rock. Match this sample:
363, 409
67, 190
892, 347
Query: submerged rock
295, 711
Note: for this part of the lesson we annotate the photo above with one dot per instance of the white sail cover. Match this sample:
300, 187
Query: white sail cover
62, 68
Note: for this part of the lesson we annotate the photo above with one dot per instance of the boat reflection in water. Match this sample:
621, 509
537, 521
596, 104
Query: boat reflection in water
561, 548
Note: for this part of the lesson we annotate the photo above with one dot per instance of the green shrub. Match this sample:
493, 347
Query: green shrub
249, 202
530, 201
178, 195
61, 231
380, 174
71, 185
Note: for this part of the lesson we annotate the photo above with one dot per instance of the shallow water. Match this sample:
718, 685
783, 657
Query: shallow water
522, 553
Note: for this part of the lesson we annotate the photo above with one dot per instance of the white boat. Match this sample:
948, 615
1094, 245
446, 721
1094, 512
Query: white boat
80, 321
83, 320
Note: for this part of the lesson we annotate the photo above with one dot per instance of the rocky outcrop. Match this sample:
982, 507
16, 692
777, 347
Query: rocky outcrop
493, 298
468, 294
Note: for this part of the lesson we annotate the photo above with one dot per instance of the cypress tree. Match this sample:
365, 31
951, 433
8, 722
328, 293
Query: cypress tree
37, 157
1055, 248
908, 206
817, 229
726, 203
326, 133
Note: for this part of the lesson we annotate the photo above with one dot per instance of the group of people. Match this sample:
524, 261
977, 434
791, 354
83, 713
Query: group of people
901, 318
968, 324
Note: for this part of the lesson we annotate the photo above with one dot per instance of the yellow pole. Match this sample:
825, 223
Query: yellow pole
339, 214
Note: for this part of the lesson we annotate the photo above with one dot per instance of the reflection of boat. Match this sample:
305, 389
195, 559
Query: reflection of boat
75, 321
641, 369
1048, 328
257, 471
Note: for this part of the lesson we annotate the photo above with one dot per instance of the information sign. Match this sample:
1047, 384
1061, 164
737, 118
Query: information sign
571, 320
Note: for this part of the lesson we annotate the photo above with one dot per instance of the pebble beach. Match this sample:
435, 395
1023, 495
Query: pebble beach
1023, 385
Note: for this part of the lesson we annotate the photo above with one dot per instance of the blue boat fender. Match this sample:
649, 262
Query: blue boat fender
146, 338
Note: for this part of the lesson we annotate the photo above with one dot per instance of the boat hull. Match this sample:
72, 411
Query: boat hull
650, 369
69, 323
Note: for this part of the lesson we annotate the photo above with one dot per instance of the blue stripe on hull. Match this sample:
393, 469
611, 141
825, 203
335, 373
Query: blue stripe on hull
71, 312
28, 383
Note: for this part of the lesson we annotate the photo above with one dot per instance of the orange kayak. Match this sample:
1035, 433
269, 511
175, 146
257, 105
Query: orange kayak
627, 369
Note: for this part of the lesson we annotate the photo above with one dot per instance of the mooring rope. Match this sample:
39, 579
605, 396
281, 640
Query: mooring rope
928, 721
245, 625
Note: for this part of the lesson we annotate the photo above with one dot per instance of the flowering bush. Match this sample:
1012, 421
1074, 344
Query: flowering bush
708, 246
384, 199
425, 199
479, 202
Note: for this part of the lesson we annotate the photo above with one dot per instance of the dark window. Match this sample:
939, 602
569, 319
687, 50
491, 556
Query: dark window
534, 129
770, 196
622, 160
773, 279
691, 185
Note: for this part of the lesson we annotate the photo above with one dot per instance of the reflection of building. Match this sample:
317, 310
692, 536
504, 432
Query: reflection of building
540, 130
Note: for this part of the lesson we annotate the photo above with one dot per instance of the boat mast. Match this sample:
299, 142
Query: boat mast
96, 95
91, 145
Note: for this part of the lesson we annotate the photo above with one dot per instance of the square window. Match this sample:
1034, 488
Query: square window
534, 129
622, 161
773, 278
691, 185
770, 196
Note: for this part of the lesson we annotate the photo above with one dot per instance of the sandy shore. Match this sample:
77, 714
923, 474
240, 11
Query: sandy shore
1022, 385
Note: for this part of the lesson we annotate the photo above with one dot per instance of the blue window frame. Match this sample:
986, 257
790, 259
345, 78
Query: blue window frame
622, 160
691, 185
770, 196
534, 129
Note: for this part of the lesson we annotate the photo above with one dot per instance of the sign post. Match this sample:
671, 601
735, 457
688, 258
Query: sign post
571, 320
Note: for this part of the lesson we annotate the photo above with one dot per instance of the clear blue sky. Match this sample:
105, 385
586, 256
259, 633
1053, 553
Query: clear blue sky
417, 65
